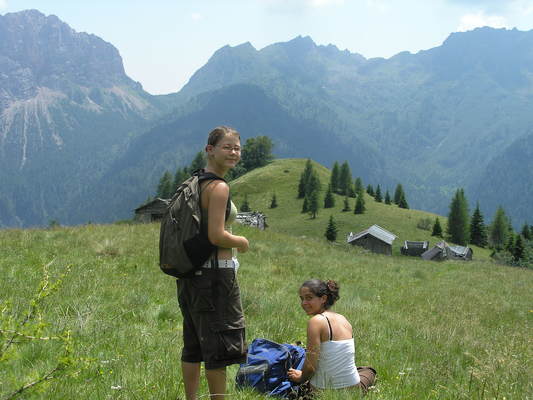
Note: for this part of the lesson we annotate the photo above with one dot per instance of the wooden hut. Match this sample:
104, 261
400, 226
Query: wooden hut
443, 251
460, 253
376, 239
152, 211
415, 249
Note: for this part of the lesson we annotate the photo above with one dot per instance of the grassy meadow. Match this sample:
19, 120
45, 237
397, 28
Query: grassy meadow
447, 330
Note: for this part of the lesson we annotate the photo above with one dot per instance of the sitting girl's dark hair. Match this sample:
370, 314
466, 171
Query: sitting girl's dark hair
320, 288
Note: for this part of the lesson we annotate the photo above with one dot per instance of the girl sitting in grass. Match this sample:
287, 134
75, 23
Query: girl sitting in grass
330, 353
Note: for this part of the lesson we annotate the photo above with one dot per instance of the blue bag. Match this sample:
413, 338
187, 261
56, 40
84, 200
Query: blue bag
266, 367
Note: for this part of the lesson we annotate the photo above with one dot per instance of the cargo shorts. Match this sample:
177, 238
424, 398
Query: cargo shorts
213, 321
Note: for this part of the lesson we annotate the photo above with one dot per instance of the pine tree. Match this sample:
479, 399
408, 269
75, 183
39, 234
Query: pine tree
499, 231
509, 245
359, 205
377, 195
180, 176
358, 185
313, 204
437, 230
458, 221
345, 179
346, 205
274, 201
305, 205
198, 162
527, 232
387, 198
518, 251
331, 230
398, 193
314, 184
329, 199
245, 206
335, 178
304, 179
165, 188
402, 203
478, 231
370, 190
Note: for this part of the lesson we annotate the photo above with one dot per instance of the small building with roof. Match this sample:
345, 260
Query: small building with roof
376, 239
152, 211
415, 249
443, 251
253, 218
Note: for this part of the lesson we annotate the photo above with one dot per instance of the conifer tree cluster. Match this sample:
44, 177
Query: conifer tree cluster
458, 220
309, 189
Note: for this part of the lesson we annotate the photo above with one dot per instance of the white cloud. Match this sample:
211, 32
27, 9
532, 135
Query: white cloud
471, 21
3, 4
195, 16
322, 3
379, 5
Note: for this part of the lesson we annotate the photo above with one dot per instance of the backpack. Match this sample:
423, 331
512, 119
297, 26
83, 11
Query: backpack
266, 367
183, 246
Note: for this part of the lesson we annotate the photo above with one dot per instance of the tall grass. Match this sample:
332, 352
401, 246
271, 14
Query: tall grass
446, 330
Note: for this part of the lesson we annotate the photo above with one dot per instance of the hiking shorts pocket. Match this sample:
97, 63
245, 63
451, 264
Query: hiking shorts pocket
201, 294
230, 337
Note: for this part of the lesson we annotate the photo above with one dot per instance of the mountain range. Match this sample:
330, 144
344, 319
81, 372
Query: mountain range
80, 141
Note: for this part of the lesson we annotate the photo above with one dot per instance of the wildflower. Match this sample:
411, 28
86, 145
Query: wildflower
118, 387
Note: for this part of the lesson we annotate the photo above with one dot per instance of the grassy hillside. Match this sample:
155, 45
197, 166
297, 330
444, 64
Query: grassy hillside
432, 330
449, 330
282, 177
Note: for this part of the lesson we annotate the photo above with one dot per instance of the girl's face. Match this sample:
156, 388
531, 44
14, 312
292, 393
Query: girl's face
227, 152
310, 302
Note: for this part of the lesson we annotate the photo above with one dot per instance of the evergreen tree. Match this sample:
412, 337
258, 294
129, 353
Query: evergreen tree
313, 204
437, 230
377, 195
305, 205
304, 179
346, 204
274, 201
165, 189
314, 184
527, 232
358, 185
458, 221
509, 245
518, 251
198, 162
329, 199
359, 205
370, 190
478, 231
245, 207
398, 193
345, 179
402, 203
499, 229
351, 191
181, 175
335, 178
331, 230
387, 198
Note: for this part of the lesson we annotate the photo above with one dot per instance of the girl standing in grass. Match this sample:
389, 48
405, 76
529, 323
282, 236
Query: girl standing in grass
330, 353
213, 321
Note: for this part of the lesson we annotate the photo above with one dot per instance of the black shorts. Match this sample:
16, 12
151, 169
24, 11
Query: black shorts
213, 321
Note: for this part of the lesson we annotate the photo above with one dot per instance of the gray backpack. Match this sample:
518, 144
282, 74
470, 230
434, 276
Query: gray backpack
183, 246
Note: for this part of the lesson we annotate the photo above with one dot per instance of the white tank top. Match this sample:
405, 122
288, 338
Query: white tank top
336, 365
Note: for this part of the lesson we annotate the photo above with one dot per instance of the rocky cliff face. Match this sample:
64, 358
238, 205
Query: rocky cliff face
66, 108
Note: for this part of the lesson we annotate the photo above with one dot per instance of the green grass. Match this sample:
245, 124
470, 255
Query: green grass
449, 330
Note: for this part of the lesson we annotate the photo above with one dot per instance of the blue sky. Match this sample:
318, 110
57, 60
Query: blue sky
163, 42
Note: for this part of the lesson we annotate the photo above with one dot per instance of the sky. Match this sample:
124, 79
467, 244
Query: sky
163, 42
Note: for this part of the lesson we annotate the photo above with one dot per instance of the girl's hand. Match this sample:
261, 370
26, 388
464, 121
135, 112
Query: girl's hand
243, 248
294, 375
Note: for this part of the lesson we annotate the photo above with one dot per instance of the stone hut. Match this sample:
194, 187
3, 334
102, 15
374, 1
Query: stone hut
411, 248
152, 211
253, 218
